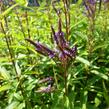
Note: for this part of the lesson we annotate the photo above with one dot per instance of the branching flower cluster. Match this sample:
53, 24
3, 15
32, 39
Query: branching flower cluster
62, 53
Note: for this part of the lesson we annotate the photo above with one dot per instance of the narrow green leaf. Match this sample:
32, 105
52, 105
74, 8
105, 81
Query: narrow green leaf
8, 10
84, 99
4, 74
18, 69
97, 101
66, 102
100, 75
5, 87
18, 96
13, 105
86, 62
77, 23
100, 46
21, 106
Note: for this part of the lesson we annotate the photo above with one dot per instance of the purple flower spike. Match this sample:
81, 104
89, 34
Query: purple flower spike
62, 57
92, 2
90, 6
61, 40
65, 53
42, 49
55, 36
47, 50
71, 52
68, 53
46, 79
74, 51
48, 89
58, 37
60, 25
62, 52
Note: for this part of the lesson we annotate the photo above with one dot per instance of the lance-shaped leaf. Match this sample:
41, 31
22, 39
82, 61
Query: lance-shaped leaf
42, 49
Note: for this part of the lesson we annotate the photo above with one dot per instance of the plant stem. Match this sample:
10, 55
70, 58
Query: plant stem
28, 29
20, 23
66, 91
22, 30
8, 46
65, 78
29, 36
12, 57
67, 17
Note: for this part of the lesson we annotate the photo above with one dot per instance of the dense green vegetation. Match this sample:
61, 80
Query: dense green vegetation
32, 77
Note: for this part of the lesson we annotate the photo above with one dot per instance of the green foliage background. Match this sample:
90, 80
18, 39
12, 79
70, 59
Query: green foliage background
88, 78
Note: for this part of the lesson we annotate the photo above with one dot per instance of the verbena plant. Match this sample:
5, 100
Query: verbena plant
70, 70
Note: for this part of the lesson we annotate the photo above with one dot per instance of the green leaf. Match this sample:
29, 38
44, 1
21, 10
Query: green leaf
66, 102
13, 105
86, 62
100, 46
5, 87
89, 106
84, 99
18, 96
21, 106
8, 10
18, 69
4, 74
92, 81
97, 101
100, 74
78, 23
